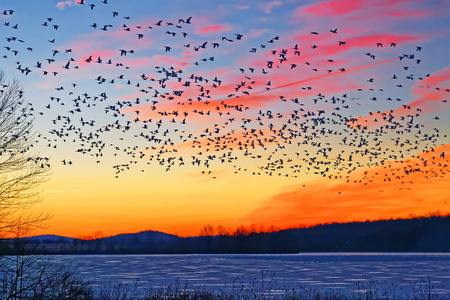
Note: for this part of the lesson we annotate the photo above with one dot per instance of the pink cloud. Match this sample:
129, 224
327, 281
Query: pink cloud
256, 33
408, 13
328, 48
214, 29
359, 8
334, 7
369, 41
171, 61
62, 4
220, 71
137, 62
116, 39
104, 55
435, 87
429, 94
432, 90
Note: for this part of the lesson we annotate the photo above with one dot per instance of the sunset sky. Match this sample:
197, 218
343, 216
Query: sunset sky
170, 115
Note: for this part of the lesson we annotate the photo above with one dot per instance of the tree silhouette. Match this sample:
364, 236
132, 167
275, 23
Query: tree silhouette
207, 230
20, 171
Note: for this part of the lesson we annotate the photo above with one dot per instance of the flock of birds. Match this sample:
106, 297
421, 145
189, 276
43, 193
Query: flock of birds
180, 118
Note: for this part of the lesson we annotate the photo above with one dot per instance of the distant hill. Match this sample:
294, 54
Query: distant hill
141, 237
50, 238
425, 234
153, 241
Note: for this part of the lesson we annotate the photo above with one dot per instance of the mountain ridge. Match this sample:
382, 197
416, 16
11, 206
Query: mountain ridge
423, 234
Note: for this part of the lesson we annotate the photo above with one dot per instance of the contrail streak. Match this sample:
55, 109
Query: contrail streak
326, 75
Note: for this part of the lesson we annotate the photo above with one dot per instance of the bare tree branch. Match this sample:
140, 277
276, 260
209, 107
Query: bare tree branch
20, 170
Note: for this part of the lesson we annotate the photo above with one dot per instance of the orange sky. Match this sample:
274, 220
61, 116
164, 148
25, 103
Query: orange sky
229, 112
386, 192
176, 206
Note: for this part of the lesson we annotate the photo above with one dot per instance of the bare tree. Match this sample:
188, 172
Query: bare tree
207, 230
20, 171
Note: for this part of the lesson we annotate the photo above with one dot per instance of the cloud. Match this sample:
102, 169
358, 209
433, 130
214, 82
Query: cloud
267, 7
327, 47
62, 4
254, 33
333, 8
428, 95
112, 39
416, 185
213, 29
102, 54
357, 9
170, 60
243, 7
368, 41
431, 90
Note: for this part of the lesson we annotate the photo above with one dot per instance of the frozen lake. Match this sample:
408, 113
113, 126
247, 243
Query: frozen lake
321, 271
